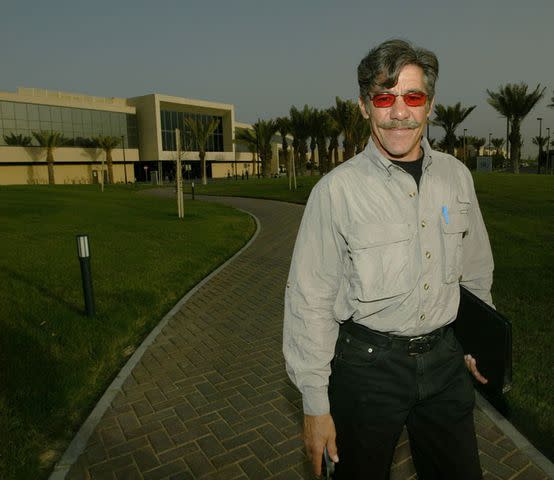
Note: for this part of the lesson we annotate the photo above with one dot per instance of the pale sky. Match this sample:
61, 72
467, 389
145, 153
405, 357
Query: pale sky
264, 56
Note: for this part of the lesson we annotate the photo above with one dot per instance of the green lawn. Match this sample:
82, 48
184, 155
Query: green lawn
519, 213
55, 362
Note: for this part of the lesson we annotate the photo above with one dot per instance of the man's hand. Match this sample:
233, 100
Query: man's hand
471, 365
319, 432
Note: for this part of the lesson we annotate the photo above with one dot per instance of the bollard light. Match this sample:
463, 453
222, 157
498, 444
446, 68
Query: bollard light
192, 186
83, 252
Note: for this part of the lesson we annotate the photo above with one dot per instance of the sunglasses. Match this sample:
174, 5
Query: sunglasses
412, 99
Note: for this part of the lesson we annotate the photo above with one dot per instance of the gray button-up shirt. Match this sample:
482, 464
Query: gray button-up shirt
371, 247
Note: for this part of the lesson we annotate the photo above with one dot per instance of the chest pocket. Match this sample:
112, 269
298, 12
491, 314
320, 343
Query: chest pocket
452, 234
382, 266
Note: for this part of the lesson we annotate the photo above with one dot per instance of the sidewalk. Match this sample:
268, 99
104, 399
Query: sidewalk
210, 399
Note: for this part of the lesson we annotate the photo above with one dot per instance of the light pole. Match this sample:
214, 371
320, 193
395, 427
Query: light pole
490, 135
124, 162
547, 150
465, 159
540, 145
508, 156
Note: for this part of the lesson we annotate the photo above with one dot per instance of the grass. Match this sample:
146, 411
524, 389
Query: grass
270, 188
519, 213
55, 361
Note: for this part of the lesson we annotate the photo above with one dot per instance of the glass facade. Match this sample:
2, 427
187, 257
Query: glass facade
171, 120
76, 124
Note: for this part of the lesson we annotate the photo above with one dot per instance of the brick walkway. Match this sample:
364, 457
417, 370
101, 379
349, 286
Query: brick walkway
210, 397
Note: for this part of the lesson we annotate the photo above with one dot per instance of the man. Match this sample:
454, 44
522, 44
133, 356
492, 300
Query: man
385, 241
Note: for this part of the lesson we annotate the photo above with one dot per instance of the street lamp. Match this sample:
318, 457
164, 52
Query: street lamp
540, 145
490, 135
547, 150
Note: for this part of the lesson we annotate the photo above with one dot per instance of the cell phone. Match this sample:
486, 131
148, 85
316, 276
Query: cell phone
327, 466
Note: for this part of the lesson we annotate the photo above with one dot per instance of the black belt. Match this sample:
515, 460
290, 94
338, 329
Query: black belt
412, 345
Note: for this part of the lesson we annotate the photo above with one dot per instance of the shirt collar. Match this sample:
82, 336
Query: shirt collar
385, 165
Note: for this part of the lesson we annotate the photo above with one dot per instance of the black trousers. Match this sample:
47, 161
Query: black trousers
374, 391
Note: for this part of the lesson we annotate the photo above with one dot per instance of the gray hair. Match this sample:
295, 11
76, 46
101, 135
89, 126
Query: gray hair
382, 65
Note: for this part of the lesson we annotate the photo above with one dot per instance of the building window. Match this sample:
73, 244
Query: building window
76, 124
171, 120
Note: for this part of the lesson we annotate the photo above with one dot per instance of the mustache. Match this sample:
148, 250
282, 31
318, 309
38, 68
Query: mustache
411, 124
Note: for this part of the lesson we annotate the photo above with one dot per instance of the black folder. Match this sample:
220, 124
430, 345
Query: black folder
487, 336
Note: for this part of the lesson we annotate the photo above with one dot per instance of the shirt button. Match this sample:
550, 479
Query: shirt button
422, 316
428, 254
426, 286
423, 223
370, 350
411, 194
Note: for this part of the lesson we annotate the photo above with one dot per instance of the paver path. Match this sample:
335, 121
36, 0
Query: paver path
210, 397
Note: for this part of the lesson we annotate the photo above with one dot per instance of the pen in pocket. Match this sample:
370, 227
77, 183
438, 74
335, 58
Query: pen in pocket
445, 214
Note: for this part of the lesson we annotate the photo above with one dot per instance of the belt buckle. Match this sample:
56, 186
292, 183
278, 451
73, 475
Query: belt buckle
418, 345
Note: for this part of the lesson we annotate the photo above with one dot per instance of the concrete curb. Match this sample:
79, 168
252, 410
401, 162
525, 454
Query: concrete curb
511, 432
79, 442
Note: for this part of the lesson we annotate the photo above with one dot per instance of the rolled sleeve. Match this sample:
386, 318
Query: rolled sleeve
310, 328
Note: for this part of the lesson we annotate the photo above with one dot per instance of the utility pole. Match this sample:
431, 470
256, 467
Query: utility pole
179, 176
548, 150
540, 145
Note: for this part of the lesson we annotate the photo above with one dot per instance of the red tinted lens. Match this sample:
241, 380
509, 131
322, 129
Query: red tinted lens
414, 99
382, 100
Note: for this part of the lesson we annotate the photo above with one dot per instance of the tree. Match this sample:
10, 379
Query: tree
321, 130
300, 129
201, 132
477, 143
247, 137
108, 143
50, 141
541, 142
345, 113
284, 128
513, 102
497, 144
449, 118
265, 129
334, 133
19, 140
362, 131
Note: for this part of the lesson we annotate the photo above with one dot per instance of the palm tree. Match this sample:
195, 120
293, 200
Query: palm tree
362, 131
247, 137
513, 102
497, 144
108, 143
284, 129
50, 141
477, 143
345, 113
320, 130
313, 128
19, 140
334, 133
300, 129
201, 132
539, 141
265, 129
449, 118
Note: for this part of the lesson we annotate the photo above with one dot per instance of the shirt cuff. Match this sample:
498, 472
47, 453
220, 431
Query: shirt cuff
315, 401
